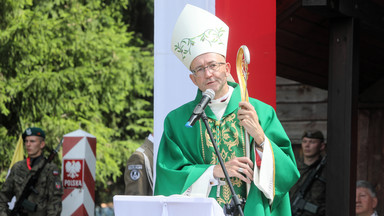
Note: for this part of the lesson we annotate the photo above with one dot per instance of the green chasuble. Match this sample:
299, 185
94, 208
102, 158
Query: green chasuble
185, 153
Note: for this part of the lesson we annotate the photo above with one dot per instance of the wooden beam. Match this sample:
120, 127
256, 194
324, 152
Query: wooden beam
370, 12
285, 9
303, 76
316, 3
342, 117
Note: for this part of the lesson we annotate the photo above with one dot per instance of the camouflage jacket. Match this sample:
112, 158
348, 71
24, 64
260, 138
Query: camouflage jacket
48, 186
316, 192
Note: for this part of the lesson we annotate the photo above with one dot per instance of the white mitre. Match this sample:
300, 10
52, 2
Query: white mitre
197, 32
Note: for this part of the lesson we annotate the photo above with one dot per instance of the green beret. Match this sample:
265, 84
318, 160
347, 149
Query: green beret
313, 135
34, 132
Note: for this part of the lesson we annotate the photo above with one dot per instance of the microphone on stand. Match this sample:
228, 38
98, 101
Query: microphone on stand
208, 95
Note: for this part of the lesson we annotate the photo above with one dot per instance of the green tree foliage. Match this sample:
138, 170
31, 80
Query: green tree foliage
72, 64
139, 14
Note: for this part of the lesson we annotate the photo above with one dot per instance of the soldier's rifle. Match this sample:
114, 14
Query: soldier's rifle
299, 204
23, 202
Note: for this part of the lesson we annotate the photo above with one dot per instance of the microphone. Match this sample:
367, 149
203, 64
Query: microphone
208, 95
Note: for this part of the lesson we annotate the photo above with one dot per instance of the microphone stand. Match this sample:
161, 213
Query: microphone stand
235, 198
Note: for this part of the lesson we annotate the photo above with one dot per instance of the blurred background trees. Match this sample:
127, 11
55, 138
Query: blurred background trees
73, 64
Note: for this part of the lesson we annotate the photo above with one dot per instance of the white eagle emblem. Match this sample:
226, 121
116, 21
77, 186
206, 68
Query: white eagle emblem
28, 131
73, 168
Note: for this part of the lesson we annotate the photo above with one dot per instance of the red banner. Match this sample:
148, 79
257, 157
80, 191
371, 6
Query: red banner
253, 23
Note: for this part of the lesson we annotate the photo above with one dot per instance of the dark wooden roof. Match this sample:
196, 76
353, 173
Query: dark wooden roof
302, 40
308, 33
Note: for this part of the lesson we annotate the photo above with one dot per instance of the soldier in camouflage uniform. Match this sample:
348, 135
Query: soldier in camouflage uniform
48, 188
138, 174
312, 145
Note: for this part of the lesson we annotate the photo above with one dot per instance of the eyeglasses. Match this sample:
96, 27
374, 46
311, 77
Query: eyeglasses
212, 67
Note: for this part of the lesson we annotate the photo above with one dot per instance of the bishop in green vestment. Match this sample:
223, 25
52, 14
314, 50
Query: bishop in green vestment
186, 160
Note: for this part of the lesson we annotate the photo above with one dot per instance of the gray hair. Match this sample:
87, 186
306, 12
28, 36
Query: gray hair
366, 184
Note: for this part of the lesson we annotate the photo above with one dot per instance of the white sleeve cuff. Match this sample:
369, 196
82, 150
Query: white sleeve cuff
263, 177
202, 186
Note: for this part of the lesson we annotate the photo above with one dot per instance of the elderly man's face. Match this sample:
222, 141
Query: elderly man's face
365, 203
206, 78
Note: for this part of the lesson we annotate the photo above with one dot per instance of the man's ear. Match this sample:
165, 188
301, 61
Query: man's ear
228, 69
322, 147
374, 202
42, 144
193, 78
